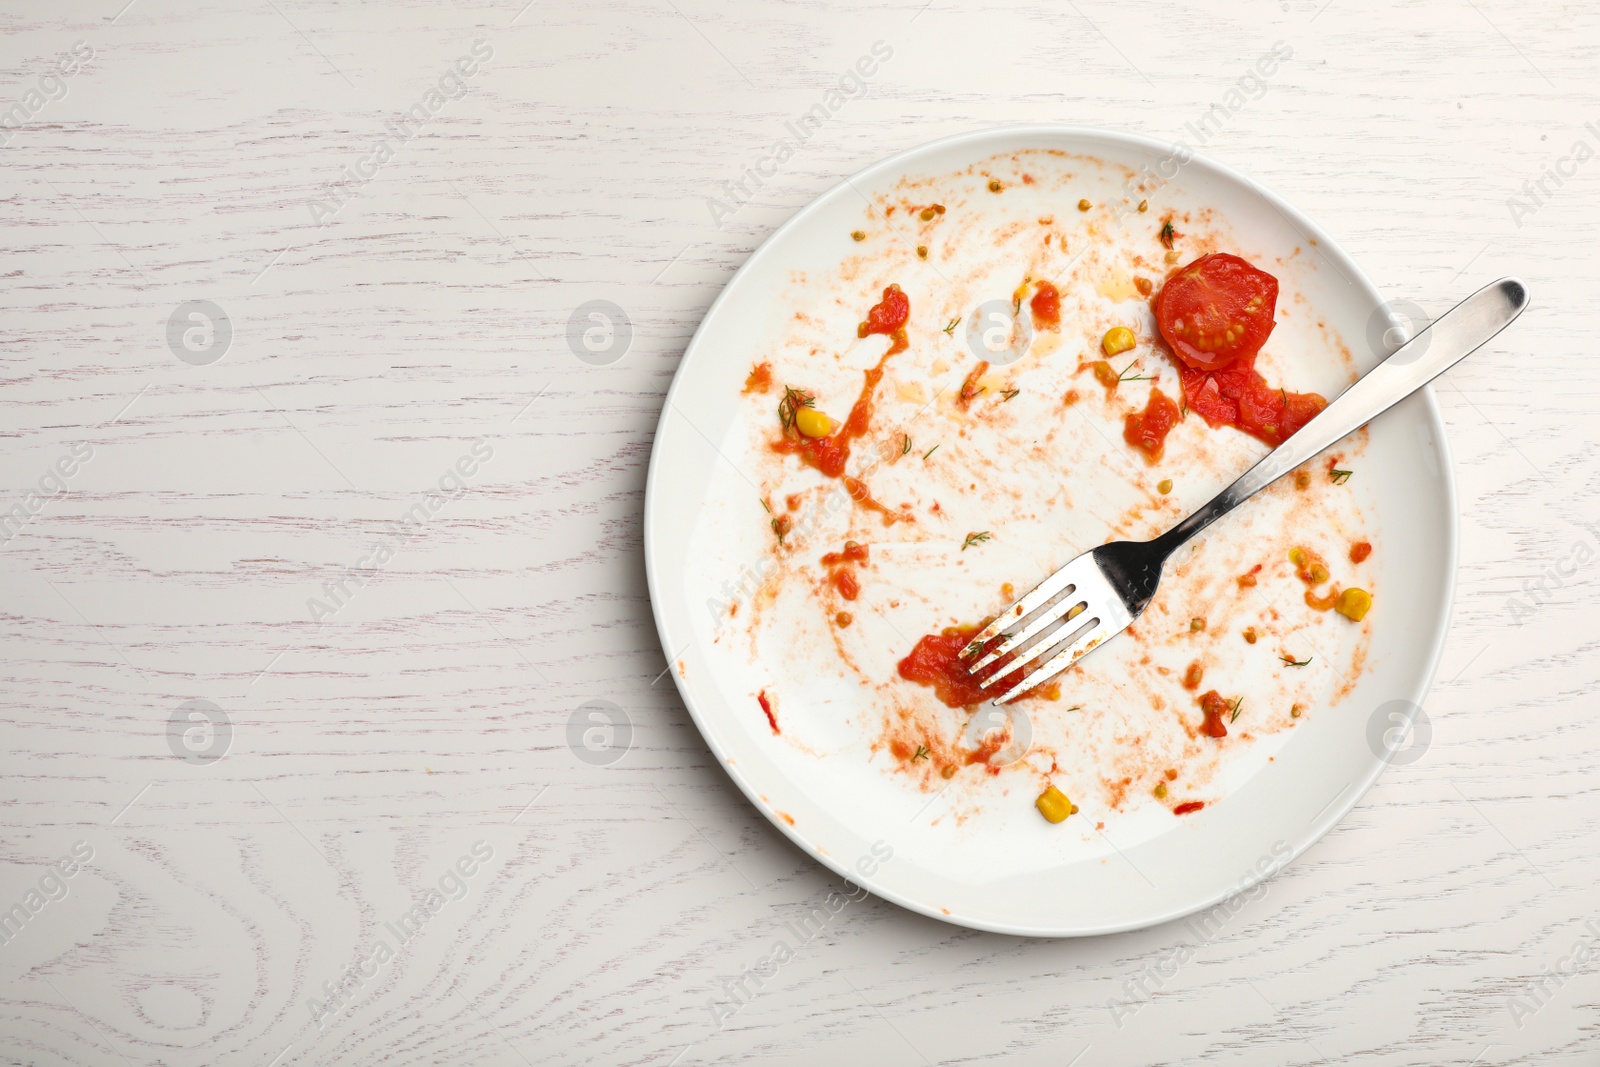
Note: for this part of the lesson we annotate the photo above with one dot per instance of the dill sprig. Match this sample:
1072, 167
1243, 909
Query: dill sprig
793, 400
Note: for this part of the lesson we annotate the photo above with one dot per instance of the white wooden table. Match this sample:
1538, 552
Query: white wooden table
395, 766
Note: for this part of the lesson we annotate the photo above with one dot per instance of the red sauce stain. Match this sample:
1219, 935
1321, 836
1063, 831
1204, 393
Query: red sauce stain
1191, 677
828, 454
841, 572
1214, 708
760, 379
936, 661
1248, 579
793, 501
992, 742
1147, 430
1360, 551
1046, 307
1188, 806
786, 817
766, 706
853, 552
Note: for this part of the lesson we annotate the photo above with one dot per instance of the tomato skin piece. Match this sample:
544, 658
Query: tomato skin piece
766, 706
1216, 310
1046, 307
1213, 706
844, 580
889, 316
1147, 430
1237, 395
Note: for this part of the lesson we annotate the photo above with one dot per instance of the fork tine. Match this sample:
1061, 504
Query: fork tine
1040, 595
1016, 640
1099, 630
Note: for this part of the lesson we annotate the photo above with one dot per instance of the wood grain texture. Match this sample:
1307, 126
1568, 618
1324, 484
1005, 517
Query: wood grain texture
372, 751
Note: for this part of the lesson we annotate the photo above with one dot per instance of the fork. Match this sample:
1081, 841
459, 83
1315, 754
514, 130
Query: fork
1110, 586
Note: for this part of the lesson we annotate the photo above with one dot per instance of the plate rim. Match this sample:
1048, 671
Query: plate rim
1318, 828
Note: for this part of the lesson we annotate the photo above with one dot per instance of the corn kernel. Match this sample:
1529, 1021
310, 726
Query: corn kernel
858, 235
1196, 624
1118, 339
994, 185
812, 422
1164, 486
1054, 805
1084, 205
1144, 205
1160, 790
1353, 604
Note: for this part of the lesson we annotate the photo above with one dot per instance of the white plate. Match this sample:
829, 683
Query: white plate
1017, 880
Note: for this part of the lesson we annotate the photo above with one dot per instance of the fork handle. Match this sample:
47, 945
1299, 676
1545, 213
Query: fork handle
1445, 342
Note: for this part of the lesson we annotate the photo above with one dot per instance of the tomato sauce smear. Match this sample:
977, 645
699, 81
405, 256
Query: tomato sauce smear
766, 706
829, 454
841, 569
936, 661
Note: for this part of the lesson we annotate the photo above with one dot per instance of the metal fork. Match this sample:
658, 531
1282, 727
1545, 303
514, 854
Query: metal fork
1041, 635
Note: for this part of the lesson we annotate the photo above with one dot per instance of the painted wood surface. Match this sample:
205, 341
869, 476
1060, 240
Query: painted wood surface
403, 329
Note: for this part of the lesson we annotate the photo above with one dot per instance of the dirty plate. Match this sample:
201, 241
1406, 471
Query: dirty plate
825, 766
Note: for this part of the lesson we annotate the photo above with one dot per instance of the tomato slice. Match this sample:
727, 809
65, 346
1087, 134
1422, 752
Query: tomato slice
1216, 310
